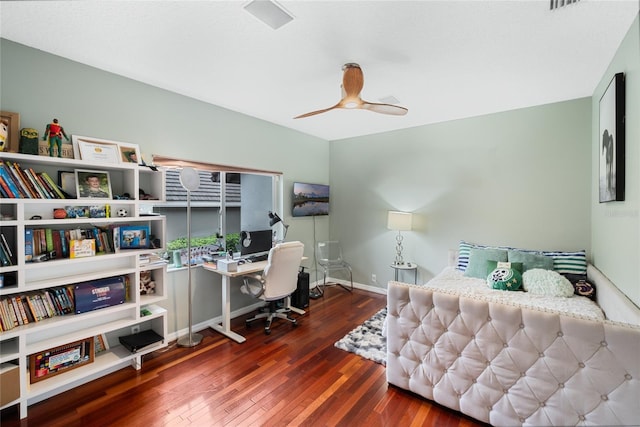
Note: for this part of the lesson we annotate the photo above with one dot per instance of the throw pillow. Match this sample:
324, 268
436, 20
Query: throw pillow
531, 260
582, 286
492, 265
505, 279
478, 258
546, 282
568, 262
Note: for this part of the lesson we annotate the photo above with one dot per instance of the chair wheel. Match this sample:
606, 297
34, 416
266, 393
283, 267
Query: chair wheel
247, 324
295, 323
267, 331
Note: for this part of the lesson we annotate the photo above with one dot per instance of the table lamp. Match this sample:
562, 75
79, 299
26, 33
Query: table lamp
274, 219
400, 221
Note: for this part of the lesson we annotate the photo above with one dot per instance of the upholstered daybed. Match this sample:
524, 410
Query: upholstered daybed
512, 363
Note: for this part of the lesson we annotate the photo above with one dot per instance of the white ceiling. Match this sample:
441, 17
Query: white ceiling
442, 60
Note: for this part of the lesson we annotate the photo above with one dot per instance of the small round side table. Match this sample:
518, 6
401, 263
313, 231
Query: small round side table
407, 266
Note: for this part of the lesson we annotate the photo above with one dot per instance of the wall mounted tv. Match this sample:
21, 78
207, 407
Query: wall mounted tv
310, 199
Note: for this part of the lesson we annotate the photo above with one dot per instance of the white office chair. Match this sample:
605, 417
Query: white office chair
278, 281
329, 257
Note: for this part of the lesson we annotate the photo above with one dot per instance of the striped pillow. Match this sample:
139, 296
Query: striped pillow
563, 262
569, 262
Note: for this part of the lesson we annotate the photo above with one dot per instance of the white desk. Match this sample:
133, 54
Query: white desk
248, 268
406, 267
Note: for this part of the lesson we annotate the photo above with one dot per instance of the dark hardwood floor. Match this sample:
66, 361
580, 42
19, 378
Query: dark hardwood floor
295, 376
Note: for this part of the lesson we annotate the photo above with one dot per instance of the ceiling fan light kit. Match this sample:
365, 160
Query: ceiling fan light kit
352, 83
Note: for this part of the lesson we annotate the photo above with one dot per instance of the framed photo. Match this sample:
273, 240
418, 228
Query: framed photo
95, 150
67, 181
47, 363
134, 237
129, 153
9, 123
611, 141
92, 184
100, 343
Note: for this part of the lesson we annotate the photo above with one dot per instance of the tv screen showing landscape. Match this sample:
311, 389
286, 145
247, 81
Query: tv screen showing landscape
310, 199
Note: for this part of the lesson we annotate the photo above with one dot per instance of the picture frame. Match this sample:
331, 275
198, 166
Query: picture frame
100, 343
92, 184
13, 130
67, 181
95, 150
129, 153
48, 363
611, 141
134, 237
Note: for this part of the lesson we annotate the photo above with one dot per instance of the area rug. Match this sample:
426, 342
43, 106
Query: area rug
366, 340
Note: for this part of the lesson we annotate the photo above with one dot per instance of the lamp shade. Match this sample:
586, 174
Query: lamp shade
400, 221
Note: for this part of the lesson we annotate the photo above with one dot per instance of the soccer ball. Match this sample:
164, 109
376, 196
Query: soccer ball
122, 212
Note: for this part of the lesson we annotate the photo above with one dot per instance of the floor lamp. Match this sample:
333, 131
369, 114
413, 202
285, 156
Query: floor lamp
190, 180
274, 219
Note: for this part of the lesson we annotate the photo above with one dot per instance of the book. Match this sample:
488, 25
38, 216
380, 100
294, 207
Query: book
6, 192
53, 185
82, 248
28, 244
140, 341
5, 246
4, 173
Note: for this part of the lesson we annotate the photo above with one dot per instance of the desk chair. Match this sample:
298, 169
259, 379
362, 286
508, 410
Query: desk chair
329, 257
278, 280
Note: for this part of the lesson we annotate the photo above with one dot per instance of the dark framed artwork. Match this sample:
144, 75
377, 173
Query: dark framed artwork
611, 141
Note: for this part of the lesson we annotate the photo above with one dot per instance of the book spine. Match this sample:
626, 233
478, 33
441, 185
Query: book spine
25, 303
16, 310
6, 191
48, 235
8, 178
5, 245
43, 185
21, 183
57, 243
4, 257
32, 307
41, 307
32, 186
25, 319
28, 244
64, 244
7, 324
52, 184
51, 310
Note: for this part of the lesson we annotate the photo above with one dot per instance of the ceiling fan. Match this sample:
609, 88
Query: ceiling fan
352, 83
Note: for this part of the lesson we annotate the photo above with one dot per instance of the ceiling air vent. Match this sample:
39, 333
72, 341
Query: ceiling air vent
555, 4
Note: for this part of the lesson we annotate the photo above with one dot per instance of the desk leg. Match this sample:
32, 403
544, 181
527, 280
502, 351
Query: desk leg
225, 327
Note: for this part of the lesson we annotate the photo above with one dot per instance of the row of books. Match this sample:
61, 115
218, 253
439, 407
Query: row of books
57, 244
18, 310
24, 183
6, 254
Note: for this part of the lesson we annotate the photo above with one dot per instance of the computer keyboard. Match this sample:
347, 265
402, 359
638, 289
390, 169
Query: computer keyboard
257, 258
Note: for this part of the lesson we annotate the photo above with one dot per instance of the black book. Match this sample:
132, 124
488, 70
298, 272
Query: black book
140, 340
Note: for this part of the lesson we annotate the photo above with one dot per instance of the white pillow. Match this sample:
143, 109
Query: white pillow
546, 282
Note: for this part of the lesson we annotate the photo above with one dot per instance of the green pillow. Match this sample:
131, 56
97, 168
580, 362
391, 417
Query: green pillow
492, 265
531, 260
505, 279
478, 258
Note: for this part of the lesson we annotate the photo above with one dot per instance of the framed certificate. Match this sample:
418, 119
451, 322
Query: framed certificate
95, 150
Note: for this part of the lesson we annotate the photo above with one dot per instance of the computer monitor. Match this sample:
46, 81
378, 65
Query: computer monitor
257, 242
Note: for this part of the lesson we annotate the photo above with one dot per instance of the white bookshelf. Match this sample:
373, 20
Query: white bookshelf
112, 322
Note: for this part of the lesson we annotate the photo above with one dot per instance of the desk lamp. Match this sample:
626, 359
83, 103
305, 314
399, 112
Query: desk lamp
400, 221
274, 219
190, 180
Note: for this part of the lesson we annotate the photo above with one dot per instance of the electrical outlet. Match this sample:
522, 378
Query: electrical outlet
373, 278
135, 329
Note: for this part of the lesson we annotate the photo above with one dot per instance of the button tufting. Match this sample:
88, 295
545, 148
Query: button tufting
561, 385
603, 343
522, 374
505, 391
459, 355
627, 377
560, 334
581, 364
505, 345
604, 397
582, 417
541, 354
490, 408
473, 337
489, 319
445, 371
542, 404
521, 326
523, 419
446, 330
457, 311
474, 381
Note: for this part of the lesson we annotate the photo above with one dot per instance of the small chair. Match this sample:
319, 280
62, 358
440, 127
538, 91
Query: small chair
329, 257
278, 281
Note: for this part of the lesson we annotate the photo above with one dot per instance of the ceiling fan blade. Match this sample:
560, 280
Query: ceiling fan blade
313, 113
394, 110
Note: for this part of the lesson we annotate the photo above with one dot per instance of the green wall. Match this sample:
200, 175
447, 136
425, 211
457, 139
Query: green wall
520, 178
95, 103
615, 231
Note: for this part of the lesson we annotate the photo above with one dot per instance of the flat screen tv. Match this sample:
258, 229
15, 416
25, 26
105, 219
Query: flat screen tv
310, 199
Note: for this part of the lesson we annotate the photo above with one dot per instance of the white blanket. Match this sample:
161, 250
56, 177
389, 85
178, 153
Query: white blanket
453, 281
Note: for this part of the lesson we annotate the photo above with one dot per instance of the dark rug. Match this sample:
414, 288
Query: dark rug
366, 340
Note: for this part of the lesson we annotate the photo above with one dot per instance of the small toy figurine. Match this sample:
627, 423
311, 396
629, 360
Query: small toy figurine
55, 132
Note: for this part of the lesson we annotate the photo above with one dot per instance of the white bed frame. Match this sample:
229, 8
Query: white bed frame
508, 365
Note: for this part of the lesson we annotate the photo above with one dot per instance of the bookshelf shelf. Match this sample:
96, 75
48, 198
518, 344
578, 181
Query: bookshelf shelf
24, 278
